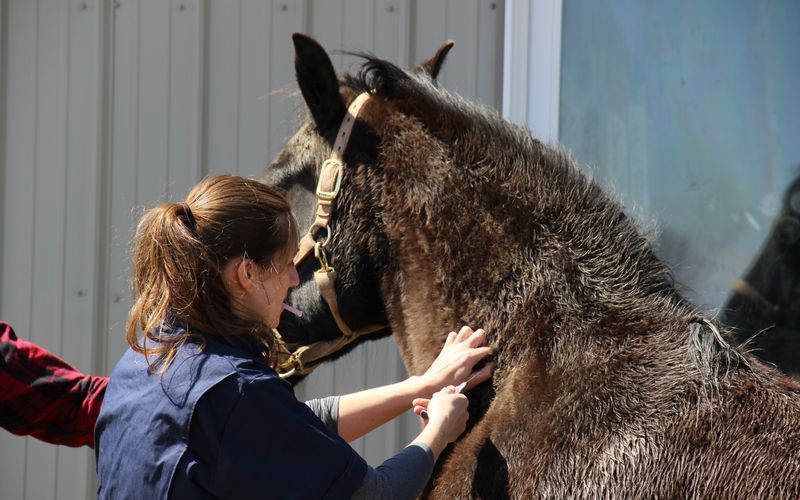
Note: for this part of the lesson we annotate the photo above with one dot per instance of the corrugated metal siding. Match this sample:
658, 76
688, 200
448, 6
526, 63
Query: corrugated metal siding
50, 214
110, 107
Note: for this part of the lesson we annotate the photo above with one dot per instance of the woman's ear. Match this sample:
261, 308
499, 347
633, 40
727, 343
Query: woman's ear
236, 277
243, 277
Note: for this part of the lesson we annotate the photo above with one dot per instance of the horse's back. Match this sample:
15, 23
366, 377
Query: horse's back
741, 439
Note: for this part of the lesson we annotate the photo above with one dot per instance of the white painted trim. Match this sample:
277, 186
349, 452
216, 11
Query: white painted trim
532, 65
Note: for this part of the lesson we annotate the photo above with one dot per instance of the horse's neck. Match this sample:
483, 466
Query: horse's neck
417, 314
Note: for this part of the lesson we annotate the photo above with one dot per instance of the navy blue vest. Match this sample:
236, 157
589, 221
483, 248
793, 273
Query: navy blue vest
217, 424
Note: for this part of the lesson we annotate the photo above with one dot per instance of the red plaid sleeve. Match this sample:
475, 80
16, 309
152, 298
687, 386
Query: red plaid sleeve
43, 396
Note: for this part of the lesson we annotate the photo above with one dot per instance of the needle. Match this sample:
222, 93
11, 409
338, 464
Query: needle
460, 387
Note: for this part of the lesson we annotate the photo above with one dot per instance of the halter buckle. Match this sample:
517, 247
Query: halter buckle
336, 165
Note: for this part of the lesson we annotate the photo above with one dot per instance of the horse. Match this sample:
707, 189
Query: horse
609, 383
764, 304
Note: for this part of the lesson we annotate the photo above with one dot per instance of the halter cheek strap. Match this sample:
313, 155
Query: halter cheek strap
305, 358
330, 180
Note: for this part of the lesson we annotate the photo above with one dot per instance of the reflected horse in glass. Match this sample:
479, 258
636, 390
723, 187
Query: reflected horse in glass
764, 305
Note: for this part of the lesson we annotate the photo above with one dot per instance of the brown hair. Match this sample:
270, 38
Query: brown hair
179, 252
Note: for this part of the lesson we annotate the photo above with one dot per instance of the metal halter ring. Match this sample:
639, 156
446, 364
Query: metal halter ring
328, 236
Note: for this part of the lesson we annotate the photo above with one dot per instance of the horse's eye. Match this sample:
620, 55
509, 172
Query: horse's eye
788, 230
794, 202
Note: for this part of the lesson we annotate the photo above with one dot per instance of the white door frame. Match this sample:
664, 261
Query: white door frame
532, 65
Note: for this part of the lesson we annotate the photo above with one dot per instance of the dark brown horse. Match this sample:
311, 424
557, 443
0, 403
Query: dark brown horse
764, 306
609, 384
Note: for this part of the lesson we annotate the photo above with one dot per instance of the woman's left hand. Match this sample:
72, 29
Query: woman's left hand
454, 365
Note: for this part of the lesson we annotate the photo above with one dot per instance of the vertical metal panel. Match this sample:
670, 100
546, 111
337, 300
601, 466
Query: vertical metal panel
156, 124
222, 127
327, 18
81, 220
18, 188
430, 30
20, 146
284, 113
48, 210
350, 376
254, 79
357, 30
383, 366
474, 66
123, 171
249, 78
50, 206
391, 32
462, 63
185, 97
153, 101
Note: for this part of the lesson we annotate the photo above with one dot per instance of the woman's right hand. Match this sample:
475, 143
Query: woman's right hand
447, 417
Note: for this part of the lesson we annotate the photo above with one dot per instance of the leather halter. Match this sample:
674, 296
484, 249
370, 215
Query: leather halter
305, 358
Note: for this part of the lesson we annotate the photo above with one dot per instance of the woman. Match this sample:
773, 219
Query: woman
194, 409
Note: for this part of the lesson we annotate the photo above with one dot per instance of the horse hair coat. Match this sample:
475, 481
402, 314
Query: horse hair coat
608, 382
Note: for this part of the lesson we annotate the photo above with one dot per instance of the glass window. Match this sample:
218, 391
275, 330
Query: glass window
688, 111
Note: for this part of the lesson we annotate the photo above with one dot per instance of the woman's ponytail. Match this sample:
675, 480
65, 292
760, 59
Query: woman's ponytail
164, 280
178, 254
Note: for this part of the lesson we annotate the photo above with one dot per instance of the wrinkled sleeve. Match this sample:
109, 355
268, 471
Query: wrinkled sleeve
402, 477
43, 396
275, 447
327, 410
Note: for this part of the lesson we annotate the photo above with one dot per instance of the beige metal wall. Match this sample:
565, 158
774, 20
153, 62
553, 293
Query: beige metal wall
110, 106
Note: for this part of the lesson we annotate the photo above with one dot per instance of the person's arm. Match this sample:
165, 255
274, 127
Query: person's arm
327, 410
403, 476
361, 412
43, 396
406, 474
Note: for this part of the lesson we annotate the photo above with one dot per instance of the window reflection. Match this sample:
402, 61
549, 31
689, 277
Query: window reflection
764, 305
688, 112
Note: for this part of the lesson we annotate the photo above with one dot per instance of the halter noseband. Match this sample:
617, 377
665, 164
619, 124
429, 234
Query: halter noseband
305, 358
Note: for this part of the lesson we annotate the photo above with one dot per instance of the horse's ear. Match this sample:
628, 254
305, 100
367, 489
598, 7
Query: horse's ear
318, 83
433, 65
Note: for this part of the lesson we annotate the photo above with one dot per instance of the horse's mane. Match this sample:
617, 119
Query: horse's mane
523, 158
547, 177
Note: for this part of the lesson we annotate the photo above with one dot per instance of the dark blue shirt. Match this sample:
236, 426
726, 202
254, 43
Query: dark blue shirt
218, 423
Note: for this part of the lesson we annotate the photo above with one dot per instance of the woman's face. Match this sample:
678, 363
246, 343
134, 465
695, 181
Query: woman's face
268, 287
